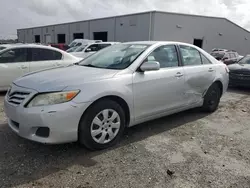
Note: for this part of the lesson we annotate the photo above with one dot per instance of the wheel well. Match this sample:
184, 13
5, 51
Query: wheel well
220, 86
121, 102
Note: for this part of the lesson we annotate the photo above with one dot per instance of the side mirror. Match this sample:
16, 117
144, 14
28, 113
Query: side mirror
150, 66
225, 58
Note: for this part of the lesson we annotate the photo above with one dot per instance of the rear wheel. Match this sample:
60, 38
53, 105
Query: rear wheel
212, 98
102, 125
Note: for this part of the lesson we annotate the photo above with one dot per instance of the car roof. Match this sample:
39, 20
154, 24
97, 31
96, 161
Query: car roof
160, 42
106, 43
32, 46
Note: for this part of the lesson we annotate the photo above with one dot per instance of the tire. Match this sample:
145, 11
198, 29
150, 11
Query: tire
108, 130
212, 99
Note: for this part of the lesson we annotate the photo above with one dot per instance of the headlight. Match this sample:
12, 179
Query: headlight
52, 98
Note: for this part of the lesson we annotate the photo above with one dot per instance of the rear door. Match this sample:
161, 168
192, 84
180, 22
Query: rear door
41, 58
13, 64
199, 73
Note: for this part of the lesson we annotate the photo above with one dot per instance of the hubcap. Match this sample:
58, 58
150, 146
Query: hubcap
105, 126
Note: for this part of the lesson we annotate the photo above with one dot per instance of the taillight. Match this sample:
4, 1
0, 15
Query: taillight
227, 69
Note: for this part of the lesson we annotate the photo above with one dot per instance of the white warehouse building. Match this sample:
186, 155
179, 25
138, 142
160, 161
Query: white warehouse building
203, 31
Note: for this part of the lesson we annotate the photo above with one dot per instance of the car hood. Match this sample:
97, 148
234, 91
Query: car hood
239, 67
59, 78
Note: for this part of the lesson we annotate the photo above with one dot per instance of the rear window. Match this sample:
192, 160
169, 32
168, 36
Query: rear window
39, 54
218, 55
101, 46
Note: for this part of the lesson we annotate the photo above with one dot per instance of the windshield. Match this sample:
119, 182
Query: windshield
72, 49
72, 44
245, 60
218, 55
81, 48
119, 56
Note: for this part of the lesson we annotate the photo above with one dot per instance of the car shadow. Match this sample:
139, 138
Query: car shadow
239, 90
24, 161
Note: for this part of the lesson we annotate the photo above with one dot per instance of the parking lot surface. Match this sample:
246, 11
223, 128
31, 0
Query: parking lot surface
189, 149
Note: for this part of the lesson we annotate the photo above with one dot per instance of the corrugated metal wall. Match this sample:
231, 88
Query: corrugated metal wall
215, 32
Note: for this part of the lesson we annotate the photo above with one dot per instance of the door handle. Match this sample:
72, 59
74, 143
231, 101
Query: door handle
210, 70
178, 74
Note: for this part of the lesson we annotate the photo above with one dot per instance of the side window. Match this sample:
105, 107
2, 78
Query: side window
233, 55
39, 54
101, 46
205, 61
165, 55
92, 48
226, 55
14, 55
190, 56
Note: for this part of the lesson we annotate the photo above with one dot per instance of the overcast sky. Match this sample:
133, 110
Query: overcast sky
16, 14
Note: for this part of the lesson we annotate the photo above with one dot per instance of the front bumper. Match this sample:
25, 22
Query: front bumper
62, 120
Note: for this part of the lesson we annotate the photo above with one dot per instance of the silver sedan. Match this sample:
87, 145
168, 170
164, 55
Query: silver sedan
120, 86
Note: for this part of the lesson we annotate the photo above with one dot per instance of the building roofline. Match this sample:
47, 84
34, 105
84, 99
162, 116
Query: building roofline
138, 13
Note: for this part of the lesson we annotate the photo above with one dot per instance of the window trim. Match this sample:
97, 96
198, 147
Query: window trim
206, 59
30, 56
179, 48
178, 57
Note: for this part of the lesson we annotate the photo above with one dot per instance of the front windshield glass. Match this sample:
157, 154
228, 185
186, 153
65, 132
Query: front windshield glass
80, 49
245, 60
72, 49
118, 56
72, 44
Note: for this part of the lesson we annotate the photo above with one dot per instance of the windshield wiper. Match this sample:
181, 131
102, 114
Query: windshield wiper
89, 65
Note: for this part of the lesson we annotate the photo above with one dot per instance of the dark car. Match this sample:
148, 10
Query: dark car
226, 56
240, 72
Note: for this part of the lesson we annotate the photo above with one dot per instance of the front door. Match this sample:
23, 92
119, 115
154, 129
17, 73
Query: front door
157, 92
13, 64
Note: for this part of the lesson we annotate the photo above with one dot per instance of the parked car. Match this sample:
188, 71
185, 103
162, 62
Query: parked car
63, 47
89, 49
218, 49
226, 56
17, 60
80, 42
119, 86
240, 72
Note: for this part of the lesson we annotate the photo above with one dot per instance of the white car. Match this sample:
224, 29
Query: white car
18, 60
120, 86
89, 49
79, 42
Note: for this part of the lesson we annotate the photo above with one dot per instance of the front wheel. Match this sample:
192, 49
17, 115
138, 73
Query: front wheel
102, 125
212, 98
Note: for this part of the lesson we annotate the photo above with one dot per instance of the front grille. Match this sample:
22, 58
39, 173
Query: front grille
17, 97
240, 72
